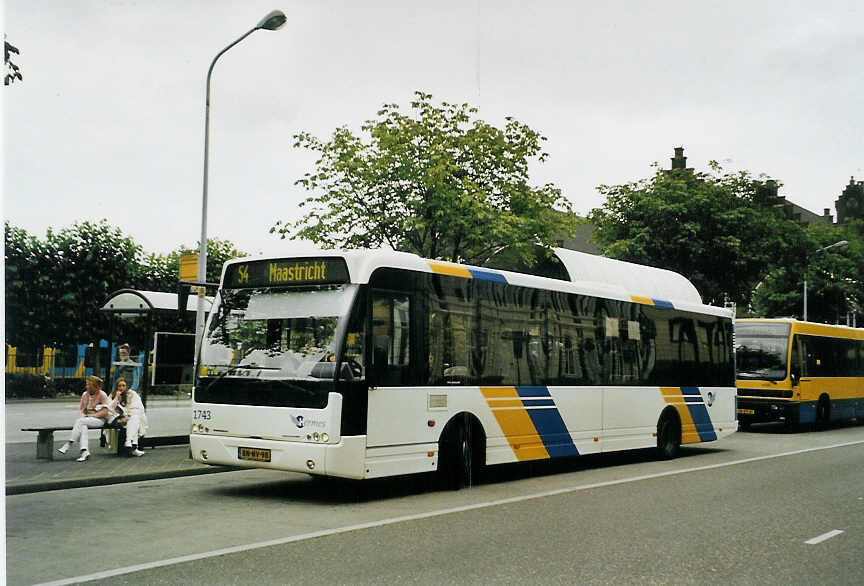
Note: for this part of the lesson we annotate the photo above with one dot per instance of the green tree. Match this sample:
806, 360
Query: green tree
711, 227
436, 182
26, 284
93, 259
835, 278
55, 286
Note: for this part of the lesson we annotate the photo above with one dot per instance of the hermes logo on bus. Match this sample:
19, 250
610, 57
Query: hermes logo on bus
315, 271
302, 422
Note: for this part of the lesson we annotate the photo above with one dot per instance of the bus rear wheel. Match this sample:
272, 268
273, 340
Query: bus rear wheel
668, 436
458, 465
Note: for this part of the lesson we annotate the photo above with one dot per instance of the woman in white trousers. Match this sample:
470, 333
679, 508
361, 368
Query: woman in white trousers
94, 413
131, 414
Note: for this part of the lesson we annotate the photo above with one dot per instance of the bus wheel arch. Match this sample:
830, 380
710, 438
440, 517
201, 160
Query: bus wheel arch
668, 434
461, 451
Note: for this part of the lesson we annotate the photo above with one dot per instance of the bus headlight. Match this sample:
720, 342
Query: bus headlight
316, 437
325, 438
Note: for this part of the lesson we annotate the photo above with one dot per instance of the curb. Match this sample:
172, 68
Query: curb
25, 488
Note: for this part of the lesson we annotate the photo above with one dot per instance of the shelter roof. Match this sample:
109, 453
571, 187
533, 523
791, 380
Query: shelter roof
135, 301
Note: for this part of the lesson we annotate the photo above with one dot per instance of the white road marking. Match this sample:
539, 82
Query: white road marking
823, 537
427, 515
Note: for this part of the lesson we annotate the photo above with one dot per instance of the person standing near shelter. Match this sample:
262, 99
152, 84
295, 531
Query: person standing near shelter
131, 414
94, 413
126, 368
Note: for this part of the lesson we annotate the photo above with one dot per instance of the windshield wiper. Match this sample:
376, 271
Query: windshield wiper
235, 368
294, 387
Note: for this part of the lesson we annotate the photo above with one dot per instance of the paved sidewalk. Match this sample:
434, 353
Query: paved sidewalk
24, 473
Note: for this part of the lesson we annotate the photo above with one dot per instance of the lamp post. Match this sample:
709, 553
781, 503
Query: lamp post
840, 244
272, 21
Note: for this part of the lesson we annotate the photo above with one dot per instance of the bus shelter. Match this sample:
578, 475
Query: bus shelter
141, 307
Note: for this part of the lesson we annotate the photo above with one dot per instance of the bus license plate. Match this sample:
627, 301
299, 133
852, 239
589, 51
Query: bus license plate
746, 412
256, 454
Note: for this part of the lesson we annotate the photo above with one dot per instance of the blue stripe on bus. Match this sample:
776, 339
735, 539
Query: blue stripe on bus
487, 276
663, 303
525, 392
549, 424
700, 416
538, 402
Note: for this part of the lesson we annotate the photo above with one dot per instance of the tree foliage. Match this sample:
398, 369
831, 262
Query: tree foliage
63, 280
56, 285
835, 277
437, 182
713, 228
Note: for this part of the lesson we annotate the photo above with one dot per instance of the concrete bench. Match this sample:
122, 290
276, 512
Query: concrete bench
45, 439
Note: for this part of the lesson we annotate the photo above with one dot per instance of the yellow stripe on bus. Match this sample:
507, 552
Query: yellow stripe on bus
516, 424
675, 397
642, 300
452, 270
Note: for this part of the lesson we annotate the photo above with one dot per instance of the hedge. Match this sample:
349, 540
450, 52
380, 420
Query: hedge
32, 386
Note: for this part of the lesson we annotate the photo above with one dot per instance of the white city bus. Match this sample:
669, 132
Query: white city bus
364, 364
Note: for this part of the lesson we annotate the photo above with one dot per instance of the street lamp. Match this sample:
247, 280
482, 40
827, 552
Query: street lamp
840, 244
272, 21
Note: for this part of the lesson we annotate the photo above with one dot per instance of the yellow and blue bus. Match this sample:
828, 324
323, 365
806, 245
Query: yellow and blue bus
365, 364
70, 361
799, 372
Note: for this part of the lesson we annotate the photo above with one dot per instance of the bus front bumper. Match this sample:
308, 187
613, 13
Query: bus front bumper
761, 410
344, 459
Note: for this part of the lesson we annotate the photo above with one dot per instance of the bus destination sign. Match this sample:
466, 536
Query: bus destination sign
287, 271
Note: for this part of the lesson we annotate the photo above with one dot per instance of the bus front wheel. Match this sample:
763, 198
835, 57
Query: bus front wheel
458, 464
668, 436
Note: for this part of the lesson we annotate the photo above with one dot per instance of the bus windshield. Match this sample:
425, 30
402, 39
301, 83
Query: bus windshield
761, 350
275, 333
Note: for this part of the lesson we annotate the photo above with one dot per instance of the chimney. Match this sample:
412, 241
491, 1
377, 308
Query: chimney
679, 161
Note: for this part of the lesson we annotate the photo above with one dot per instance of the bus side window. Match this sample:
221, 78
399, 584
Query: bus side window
391, 338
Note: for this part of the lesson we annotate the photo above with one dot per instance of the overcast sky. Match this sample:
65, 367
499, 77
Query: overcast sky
109, 120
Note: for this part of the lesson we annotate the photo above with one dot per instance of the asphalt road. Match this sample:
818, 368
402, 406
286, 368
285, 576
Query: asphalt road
739, 511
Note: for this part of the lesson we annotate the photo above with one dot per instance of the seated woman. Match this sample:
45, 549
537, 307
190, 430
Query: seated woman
94, 413
130, 413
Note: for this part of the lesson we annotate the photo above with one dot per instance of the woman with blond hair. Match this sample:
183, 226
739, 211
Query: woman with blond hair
94, 413
130, 413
